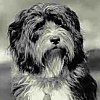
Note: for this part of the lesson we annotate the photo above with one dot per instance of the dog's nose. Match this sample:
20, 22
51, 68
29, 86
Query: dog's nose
55, 40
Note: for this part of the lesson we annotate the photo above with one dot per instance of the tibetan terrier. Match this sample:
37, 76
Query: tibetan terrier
49, 62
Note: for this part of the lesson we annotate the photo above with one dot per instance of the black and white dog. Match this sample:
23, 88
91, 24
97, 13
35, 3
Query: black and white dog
47, 48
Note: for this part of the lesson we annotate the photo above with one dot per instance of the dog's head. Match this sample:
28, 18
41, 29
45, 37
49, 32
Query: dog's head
44, 35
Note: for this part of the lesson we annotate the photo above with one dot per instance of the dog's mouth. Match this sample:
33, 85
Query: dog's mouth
54, 55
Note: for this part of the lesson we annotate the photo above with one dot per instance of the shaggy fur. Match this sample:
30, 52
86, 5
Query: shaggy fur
47, 48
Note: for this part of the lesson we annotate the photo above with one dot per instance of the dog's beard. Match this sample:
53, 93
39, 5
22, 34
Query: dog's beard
53, 56
53, 60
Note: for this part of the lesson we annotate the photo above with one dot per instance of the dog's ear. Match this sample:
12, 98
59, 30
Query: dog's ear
15, 28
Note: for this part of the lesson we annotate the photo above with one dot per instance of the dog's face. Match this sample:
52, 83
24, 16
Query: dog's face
45, 36
53, 43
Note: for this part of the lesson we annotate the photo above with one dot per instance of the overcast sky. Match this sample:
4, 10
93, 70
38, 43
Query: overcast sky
87, 10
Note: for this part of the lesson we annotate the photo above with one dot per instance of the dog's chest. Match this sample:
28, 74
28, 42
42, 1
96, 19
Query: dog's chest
27, 87
47, 93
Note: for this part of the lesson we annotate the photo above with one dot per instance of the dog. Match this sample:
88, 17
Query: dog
49, 60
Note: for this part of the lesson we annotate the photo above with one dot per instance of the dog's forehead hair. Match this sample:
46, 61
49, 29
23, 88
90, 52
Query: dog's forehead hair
51, 26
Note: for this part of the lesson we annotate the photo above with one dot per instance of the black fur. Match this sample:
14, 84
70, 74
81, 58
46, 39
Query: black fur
25, 31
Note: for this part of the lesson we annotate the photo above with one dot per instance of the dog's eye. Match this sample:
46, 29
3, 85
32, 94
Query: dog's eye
34, 38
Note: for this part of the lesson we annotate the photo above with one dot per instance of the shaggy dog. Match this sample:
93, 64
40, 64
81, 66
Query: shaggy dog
47, 48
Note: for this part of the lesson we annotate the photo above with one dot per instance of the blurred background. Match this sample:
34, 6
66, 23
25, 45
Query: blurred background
89, 16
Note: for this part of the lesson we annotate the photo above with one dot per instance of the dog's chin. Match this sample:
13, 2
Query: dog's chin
54, 56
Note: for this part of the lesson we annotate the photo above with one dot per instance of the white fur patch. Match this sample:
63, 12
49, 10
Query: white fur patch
35, 93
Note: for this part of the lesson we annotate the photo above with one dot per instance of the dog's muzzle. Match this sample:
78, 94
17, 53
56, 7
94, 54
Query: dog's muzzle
55, 52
